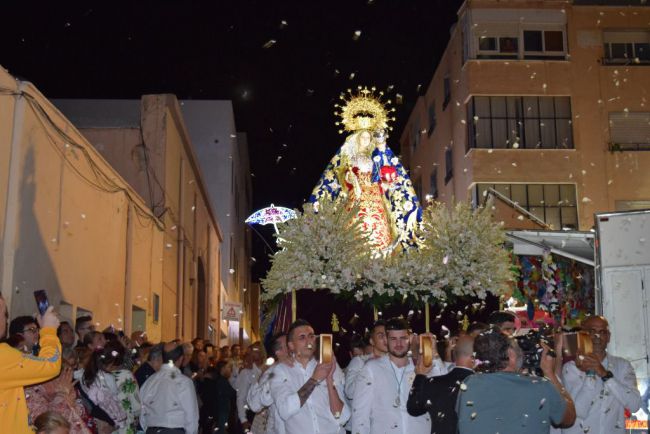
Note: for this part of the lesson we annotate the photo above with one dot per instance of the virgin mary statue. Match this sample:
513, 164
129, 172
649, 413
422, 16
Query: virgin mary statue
366, 173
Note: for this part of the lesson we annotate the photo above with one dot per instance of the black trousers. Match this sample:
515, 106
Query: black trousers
161, 430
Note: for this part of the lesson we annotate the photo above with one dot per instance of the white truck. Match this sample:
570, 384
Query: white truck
622, 260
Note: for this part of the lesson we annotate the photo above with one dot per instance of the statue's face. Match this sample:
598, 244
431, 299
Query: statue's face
380, 136
364, 139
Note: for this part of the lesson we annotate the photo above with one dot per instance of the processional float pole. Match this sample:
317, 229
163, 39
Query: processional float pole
426, 317
294, 305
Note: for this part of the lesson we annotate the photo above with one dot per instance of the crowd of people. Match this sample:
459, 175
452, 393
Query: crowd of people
59, 378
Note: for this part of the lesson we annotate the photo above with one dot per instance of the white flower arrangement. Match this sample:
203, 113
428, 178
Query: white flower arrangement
462, 255
465, 248
321, 249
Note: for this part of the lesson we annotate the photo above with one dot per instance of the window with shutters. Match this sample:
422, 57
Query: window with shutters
417, 185
415, 134
555, 204
498, 47
510, 41
627, 47
629, 131
447, 92
520, 122
432, 118
433, 184
544, 44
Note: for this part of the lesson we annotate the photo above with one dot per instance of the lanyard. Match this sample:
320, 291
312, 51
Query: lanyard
399, 383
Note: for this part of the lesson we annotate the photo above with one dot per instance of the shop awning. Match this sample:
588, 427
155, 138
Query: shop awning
574, 245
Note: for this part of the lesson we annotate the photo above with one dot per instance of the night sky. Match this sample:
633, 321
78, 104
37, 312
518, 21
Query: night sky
283, 95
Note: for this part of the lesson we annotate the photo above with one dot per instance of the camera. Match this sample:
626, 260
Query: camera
531, 348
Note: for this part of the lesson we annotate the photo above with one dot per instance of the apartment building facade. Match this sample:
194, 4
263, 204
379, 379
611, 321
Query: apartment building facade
544, 102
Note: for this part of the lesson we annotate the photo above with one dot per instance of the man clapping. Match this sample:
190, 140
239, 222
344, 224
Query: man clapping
308, 394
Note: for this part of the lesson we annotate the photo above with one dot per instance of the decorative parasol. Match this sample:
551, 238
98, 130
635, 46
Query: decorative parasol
274, 215
271, 215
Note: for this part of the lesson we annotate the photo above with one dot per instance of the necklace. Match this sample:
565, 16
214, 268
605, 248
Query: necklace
398, 401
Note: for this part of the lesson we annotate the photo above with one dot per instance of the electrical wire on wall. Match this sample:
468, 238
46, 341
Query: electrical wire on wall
103, 181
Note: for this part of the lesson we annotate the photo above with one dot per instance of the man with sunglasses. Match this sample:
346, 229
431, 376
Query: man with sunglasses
602, 386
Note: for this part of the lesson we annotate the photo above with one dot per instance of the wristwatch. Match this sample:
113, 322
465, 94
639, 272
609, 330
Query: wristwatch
607, 376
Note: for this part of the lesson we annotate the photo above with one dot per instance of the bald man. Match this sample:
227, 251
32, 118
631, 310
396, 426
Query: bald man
601, 385
437, 395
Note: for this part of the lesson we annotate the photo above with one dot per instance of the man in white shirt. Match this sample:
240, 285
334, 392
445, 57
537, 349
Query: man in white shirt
379, 348
601, 385
382, 388
248, 375
308, 394
168, 398
236, 361
259, 394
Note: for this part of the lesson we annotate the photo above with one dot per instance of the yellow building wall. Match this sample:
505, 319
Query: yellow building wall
73, 230
70, 230
6, 118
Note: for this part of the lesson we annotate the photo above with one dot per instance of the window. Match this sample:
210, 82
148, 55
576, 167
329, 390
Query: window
433, 184
487, 44
138, 319
553, 41
520, 122
629, 131
498, 47
626, 47
555, 204
446, 92
511, 43
449, 168
156, 308
543, 44
415, 133
533, 41
432, 118
417, 185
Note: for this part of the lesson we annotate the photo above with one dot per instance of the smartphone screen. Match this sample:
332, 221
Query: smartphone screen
41, 300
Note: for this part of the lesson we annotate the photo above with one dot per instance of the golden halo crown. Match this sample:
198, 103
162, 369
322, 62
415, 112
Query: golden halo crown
363, 110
